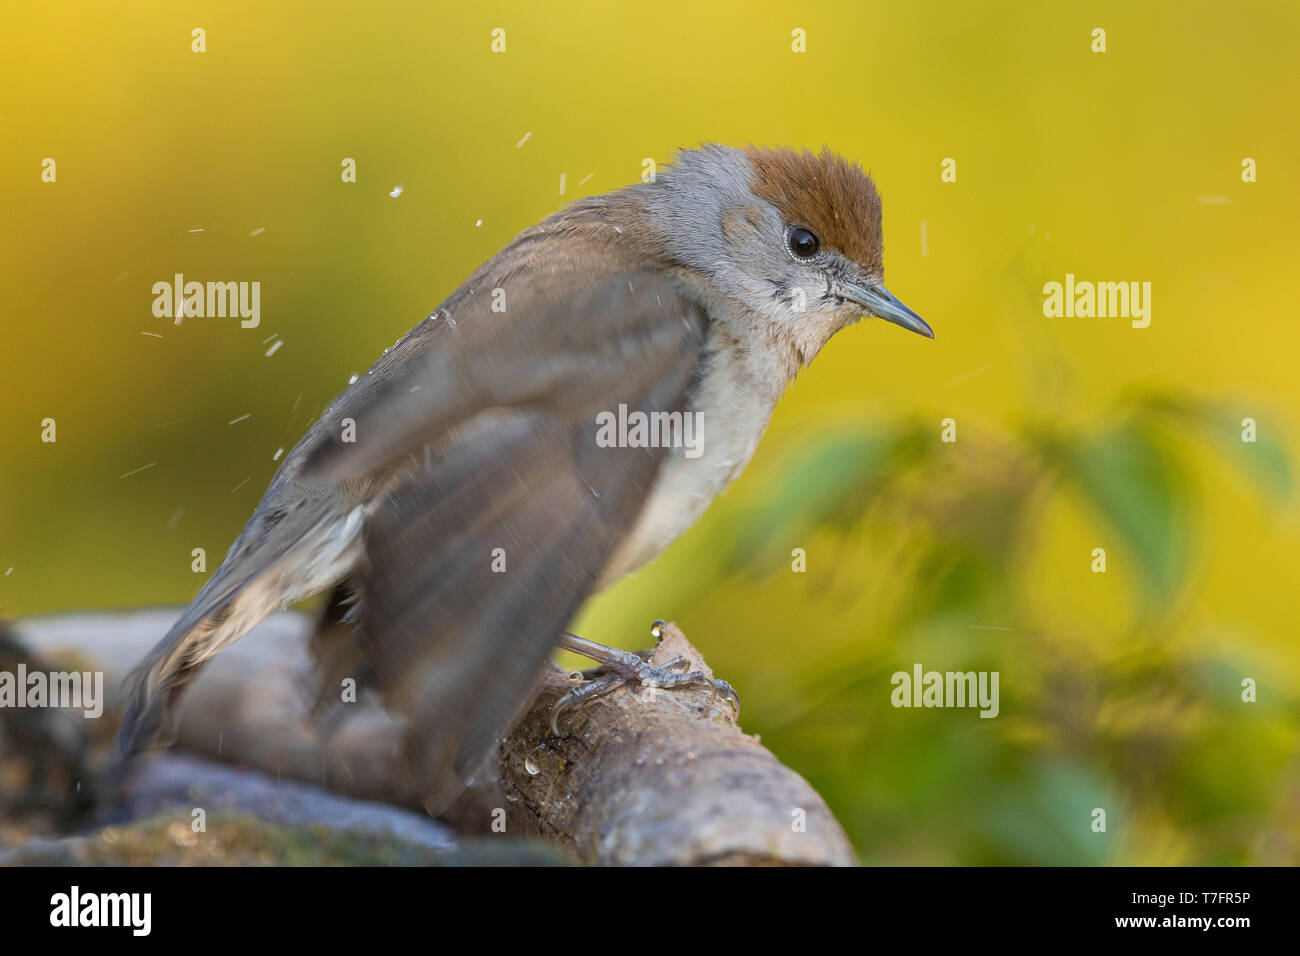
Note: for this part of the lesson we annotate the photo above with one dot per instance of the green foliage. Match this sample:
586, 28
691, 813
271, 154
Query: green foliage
929, 553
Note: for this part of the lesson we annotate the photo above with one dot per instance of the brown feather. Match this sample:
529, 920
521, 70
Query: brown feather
825, 193
467, 441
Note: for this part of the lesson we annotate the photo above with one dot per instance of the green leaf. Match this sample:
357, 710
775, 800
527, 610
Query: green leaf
1265, 459
828, 483
1141, 490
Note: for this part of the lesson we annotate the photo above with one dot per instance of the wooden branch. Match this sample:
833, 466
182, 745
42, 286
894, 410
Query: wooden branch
637, 777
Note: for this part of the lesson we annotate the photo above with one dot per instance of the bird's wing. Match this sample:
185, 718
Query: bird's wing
567, 343
491, 507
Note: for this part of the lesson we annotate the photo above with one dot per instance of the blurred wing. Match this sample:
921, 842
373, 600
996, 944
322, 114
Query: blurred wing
492, 507
568, 343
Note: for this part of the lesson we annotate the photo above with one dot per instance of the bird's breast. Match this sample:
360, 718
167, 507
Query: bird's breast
731, 407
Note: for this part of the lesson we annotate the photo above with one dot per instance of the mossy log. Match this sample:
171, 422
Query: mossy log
637, 777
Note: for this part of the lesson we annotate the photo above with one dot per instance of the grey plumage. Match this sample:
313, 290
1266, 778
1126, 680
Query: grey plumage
478, 431
465, 442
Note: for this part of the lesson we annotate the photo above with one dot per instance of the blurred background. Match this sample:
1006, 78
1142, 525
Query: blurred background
1119, 690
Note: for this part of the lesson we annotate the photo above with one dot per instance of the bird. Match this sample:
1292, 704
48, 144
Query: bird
457, 502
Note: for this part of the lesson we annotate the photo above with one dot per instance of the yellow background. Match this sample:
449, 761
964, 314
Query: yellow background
1120, 166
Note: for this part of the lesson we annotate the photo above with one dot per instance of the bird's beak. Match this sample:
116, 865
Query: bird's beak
879, 301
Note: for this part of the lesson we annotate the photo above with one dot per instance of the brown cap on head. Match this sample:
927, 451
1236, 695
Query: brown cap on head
825, 193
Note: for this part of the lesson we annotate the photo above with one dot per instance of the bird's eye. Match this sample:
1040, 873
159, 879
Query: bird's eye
803, 243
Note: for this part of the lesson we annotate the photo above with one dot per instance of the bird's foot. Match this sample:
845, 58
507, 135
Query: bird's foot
618, 667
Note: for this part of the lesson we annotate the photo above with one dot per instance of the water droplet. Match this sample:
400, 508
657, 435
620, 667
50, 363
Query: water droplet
397, 191
530, 766
657, 629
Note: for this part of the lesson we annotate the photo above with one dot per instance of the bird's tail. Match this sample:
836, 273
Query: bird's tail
222, 613
278, 560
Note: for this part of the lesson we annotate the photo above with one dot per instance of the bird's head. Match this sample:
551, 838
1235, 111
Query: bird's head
794, 236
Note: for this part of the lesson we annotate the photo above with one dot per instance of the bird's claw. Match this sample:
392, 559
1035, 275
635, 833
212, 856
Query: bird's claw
629, 668
728, 693
596, 687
